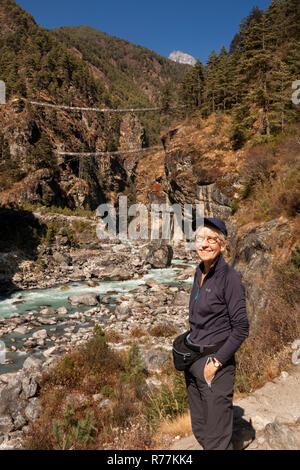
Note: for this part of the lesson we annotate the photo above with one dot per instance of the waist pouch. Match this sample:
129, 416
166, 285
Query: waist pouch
184, 354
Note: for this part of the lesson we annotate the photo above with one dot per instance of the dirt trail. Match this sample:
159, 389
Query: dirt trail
277, 402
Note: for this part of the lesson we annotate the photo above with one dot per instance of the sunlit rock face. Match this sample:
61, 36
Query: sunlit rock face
182, 58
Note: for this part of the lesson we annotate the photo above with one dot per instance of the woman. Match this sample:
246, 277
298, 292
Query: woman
218, 326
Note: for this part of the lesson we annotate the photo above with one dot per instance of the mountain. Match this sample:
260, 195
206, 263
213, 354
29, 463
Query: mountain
249, 86
132, 75
236, 151
182, 58
77, 67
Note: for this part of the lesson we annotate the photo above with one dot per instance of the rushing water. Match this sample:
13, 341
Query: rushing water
32, 300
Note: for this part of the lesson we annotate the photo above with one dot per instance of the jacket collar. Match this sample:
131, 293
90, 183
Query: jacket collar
218, 265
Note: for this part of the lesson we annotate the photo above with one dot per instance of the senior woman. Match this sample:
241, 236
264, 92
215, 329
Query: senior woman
218, 326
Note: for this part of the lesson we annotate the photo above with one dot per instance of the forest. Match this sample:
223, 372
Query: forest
252, 81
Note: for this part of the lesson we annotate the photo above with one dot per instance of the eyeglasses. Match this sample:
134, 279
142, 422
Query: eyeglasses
210, 240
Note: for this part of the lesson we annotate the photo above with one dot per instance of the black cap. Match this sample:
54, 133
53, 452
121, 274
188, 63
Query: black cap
217, 223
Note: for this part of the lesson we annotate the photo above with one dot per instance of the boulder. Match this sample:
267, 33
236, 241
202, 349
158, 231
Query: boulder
19, 421
9, 394
154, 359
21, 330
157, 254
40, 334
181, 298
123, 310
29, 387
115, 273
76, 400
48, 311
32, 363
6, 424
84, 299
62, 310
34, 409
50, 351
282, 437
105, 403
62, 259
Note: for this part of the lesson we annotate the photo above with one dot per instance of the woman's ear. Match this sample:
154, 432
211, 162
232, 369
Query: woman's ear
223, 246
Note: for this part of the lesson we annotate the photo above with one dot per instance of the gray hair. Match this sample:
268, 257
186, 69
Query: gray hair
220, 234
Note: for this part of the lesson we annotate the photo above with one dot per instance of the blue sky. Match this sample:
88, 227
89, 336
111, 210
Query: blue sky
192, 26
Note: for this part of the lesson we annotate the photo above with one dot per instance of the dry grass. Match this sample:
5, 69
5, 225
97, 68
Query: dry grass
271, 180
80, 375
179, 426
272, 198
163, 330
113, 336
265, 353
135, 436
137, 332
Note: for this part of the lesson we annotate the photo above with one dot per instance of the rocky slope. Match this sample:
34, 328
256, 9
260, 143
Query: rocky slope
79, 67
197, 165
267, 419
183, 174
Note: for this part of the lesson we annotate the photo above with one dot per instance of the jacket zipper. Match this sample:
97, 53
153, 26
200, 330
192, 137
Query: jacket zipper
197, 295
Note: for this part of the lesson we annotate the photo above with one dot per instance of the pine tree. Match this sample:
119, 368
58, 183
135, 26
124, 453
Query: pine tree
42, 155
253, 80
211, 81
223, 91
291, 10
192, 87
166, 97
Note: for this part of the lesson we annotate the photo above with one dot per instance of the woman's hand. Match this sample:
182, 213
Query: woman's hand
210, 371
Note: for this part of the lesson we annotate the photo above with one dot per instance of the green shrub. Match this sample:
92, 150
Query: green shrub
168, 401
95, 351
72, 238
72, 433
52, 230
234, 206
67, 373
108, 391
135, 371
295, 258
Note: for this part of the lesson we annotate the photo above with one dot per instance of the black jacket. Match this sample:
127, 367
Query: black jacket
217, 310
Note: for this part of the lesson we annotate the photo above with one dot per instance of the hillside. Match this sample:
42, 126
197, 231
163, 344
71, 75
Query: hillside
236, 151
133, 75
36, 64
252, 81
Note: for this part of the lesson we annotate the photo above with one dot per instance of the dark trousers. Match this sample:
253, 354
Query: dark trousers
211, 404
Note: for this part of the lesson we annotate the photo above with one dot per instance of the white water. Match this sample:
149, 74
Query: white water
33, 299
57, 297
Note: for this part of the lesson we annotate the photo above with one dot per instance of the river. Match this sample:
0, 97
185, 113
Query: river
33, 300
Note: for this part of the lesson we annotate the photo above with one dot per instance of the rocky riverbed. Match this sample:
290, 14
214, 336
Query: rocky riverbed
119, 285
36, 339
122, 296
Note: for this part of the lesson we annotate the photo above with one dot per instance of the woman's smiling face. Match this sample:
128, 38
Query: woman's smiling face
206, 251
